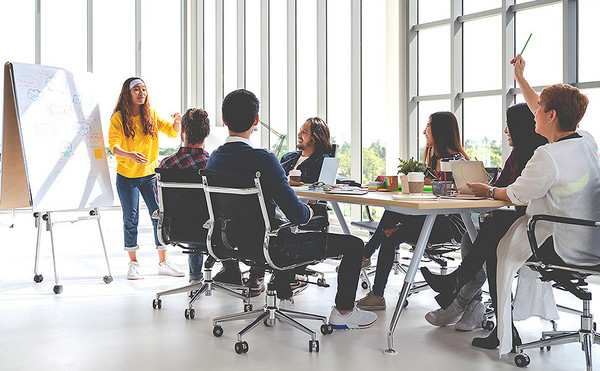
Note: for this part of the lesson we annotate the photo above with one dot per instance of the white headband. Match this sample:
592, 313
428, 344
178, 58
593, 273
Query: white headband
135, 82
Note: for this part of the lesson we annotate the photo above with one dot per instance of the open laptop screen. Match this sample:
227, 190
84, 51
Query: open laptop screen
329, 170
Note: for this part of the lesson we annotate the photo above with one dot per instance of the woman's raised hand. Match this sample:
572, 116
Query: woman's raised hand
519, 64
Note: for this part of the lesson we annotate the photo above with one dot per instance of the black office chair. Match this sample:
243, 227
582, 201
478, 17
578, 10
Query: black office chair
181, 215
569, 278
239, 228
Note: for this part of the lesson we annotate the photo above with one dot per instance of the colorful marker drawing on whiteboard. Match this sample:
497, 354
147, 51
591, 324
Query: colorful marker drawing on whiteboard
83, 128
33, 94
77, 99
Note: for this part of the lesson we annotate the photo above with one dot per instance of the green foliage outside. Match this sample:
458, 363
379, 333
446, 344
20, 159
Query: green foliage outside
373, 161
490, 152
167, 151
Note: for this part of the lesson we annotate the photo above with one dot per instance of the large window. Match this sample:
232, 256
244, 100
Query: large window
306, 60
64, 43
279, 73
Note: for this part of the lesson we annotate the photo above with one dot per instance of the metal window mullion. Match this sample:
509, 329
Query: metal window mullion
531, 5
412, 64
508, 51
90, 35
356, 98
456, 62
138, 38
392, 85
322, 59
402, 140
265, 71
434, 24
570, 42
241, 44
479, 15
219, 57
292, 106
197, 53
38, 32
183, 55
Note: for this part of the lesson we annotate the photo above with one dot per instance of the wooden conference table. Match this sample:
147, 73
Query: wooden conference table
410, 206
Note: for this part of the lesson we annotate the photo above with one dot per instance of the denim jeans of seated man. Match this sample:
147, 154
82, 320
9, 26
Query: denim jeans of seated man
195, 263
129, 190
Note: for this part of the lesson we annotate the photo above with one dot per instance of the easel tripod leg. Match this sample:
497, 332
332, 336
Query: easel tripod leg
57, 288
37, 278
107, 279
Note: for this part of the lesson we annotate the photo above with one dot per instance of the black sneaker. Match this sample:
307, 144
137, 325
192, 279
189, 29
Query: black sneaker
256, 285
231, 276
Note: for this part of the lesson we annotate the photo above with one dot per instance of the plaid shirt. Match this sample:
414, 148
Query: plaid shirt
186, 157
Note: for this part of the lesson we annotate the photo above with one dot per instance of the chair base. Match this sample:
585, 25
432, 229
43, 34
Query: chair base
206, 287
270, 315
586, 335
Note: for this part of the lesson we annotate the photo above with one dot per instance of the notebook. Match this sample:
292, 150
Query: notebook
329, 170
463, 171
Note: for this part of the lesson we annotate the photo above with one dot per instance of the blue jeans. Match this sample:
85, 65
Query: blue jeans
129, 190
195, 263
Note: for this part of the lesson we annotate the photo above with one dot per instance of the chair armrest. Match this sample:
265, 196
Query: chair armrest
554, 219
316, 223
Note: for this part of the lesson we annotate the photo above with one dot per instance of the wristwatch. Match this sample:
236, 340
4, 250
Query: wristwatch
492, 192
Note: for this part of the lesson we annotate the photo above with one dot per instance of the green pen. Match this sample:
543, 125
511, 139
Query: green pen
526, 42
488, 174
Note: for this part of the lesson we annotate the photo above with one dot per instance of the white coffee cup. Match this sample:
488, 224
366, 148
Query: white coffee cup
295, 175
416, 182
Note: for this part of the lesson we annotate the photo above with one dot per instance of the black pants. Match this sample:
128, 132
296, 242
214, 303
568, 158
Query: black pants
350, 248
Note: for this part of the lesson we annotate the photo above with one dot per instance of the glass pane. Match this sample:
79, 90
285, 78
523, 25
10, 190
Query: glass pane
473, 6
433, 10
253, 61
373, 90
64, 43
338, 76
589, 30
20, 47
306, 60
590, 120
483, 125
544, 23
278, 75
482, 50
211, 106
229, 46
426, 108
108, 69
434, 61
161, 60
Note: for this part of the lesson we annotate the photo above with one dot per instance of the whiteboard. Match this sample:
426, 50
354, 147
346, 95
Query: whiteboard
61, 133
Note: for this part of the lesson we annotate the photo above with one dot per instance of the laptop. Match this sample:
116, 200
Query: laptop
463, 171
329, 171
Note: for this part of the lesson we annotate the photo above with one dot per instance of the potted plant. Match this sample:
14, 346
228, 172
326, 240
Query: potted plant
405, 167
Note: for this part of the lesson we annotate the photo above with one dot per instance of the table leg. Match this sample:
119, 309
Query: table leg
409, 279
340, 217
466, 218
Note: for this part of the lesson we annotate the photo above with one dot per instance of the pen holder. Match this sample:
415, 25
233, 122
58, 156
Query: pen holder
441, 188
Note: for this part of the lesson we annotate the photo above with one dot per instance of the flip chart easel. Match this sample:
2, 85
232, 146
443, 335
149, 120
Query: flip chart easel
53, 153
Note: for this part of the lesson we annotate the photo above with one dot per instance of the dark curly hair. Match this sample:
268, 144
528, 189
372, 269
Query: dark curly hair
196, 125
125, 105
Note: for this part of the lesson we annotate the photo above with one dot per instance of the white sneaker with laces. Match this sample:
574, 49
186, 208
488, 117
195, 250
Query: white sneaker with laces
354, 319
472, 317
167, 268
132, 271
444, 317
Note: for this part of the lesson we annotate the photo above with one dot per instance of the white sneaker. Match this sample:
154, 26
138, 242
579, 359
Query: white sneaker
356, 318
132, 271
472, 318
286, 304
444, 317
167, 268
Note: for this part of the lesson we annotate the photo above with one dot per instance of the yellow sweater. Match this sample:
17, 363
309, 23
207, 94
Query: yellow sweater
142, 143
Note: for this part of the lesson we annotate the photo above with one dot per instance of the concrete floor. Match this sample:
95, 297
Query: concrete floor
95, 326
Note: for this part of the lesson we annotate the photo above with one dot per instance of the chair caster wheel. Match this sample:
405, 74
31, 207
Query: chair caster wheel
218, 331
241, 347
321, 282
405, 304
190, 313
488, 325
547, 348
107, 279
313, 346
38, 278
247, 307
326, 329
364, 285
57, 289
522, 360
156, 304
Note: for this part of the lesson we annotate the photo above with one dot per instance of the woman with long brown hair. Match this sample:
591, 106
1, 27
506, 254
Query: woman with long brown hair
442, 144
133, 138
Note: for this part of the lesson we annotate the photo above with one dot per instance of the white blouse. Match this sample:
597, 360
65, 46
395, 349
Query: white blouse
561, 178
